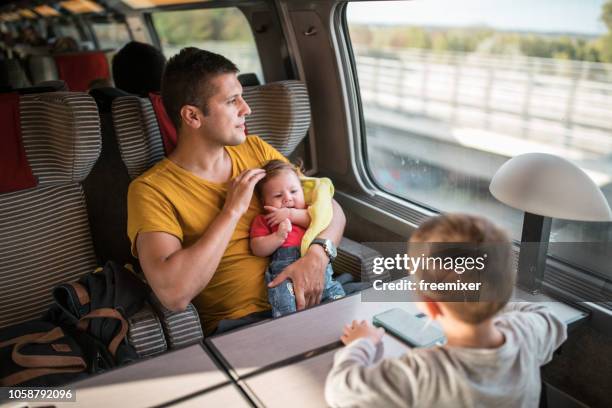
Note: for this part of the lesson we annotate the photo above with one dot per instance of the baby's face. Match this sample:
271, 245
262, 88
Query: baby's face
284, 190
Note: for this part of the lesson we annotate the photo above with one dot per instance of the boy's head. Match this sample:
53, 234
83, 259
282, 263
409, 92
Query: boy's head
281, 186
447, 242
201, 89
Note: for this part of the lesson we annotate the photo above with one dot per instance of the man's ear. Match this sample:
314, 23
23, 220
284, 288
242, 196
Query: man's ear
191, 116
430, 307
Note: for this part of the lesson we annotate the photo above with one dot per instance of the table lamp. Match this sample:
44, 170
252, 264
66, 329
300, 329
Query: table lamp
545, 186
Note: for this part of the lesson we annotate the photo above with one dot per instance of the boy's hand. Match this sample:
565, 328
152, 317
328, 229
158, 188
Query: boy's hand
359, 330
284, 228
276, 215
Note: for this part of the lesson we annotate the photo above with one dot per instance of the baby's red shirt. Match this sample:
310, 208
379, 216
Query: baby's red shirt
259, 228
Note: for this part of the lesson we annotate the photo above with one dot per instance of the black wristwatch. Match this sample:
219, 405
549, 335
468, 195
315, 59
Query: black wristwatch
328, 246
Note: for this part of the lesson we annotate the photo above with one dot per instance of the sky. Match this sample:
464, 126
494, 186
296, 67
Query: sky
573, 16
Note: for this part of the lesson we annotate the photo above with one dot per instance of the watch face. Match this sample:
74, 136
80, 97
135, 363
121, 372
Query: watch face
330, 249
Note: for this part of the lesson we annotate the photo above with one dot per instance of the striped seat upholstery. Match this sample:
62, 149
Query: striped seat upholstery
44, 231
137, 133
358, 260
146, 333
182, 329
280, 113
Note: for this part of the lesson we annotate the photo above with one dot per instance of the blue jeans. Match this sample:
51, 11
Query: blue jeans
282, 298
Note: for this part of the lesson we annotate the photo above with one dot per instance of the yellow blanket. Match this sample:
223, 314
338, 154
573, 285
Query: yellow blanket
318, 192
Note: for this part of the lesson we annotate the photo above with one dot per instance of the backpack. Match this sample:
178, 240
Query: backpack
87, 322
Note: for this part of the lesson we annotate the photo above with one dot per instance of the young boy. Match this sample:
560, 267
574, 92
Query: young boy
279, 233
492, 357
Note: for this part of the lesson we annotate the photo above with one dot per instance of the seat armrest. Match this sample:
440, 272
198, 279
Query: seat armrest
145, 332
358, 260
181, 328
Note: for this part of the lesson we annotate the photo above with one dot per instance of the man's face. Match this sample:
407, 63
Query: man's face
226, 111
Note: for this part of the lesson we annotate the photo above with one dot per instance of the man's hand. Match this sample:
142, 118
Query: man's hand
362, 329
284, 228
308, 277
276, 215
240, 191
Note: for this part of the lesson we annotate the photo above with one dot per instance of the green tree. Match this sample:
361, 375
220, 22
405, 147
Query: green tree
605, 42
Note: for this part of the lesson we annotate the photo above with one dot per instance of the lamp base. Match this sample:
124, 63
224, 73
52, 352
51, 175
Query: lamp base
532, 256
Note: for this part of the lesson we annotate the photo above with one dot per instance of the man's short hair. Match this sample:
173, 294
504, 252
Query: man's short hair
454, 238
138, 68
187, 77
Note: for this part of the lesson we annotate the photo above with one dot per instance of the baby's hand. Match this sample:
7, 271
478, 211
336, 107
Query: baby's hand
284, 228
276, 215
359, 330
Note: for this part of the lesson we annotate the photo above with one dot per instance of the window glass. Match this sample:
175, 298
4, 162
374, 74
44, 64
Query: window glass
450, 96
111, 35
68, 30
224, 31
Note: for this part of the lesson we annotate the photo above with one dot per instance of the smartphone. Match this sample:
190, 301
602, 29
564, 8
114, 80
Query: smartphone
411, 329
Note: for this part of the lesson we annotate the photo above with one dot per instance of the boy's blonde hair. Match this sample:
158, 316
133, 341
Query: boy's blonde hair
455, 236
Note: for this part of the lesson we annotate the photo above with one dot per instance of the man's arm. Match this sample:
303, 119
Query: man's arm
308, 273
178, 274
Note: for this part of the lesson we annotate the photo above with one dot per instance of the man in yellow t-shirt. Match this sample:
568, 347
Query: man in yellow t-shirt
189, 216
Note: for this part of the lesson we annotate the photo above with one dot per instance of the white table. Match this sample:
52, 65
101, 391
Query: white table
303, 380
250, 349
154, 381
228, 396
302, 384
253, 348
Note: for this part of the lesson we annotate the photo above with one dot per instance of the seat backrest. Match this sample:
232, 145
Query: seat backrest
12, 74
42, 68
280, 115
78, 69
44, 231
45, 86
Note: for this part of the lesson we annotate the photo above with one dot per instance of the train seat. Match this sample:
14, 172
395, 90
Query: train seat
78, 69
42, 68
45, 237
12, 74
106, 191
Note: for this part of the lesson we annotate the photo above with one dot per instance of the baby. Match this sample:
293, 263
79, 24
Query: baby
493, 352
279, 233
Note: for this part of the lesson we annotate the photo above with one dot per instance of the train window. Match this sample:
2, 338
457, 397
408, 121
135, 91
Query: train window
111, 35
223, 30
447, 97
67, 28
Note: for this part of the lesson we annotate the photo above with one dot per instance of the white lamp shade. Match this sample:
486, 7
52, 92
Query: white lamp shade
548, 185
